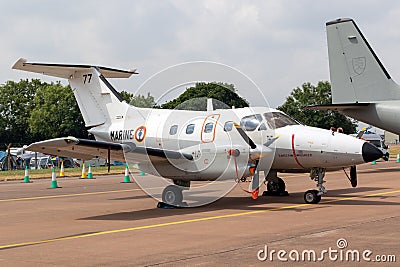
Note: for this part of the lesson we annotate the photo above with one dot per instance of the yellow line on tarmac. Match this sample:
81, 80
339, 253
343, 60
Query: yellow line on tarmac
186, 221
68, 195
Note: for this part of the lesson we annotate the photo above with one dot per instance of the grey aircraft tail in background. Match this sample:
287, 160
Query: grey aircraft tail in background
361, 86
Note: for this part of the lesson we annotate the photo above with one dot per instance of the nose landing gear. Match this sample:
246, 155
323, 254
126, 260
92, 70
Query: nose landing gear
314, 196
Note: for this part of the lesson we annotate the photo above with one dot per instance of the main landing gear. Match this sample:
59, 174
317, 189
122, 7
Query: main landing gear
172, 195
314, 196
275, 185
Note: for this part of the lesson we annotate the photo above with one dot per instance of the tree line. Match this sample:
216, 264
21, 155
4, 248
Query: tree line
32, 110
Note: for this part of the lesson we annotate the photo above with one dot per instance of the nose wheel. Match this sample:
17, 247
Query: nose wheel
314, 196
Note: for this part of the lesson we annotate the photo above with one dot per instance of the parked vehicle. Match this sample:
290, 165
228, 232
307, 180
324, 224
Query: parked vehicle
377, 141
94, 162
47, 162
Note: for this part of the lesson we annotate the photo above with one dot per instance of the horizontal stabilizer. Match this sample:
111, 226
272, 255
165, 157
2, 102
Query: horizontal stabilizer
67, 71
338, 107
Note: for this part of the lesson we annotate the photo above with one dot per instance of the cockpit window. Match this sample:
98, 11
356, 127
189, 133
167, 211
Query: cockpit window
250, 123
278, 120
262, 127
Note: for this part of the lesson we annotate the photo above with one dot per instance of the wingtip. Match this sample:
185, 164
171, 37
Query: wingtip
19, 64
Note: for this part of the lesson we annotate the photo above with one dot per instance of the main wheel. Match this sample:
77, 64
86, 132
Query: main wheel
386, 157
172, 195
276, 187
312, 197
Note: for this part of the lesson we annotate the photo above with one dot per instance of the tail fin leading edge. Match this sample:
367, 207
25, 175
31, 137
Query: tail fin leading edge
91, 89
357, 75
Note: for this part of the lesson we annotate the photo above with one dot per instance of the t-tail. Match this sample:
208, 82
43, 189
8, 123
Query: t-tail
97, 99
357, 75
361, 86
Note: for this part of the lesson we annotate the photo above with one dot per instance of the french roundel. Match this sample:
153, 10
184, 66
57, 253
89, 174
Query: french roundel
140, 134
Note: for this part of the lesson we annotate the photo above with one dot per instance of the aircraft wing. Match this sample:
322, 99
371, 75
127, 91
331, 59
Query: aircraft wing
87, 149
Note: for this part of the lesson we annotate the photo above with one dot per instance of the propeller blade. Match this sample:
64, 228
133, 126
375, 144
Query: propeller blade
255, 185
245, 137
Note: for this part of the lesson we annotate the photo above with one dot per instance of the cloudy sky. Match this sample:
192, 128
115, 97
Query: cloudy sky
278, 44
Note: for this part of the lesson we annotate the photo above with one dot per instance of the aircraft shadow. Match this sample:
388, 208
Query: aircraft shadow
245, 203
192, 193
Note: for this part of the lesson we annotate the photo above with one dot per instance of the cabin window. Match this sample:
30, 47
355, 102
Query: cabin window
250, 123
278, 120
208, 127
173, 130
228, 126
190, 129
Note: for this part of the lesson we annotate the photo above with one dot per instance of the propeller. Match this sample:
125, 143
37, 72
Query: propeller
256, 152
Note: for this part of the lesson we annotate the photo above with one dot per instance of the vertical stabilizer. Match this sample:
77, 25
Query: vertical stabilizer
92, 95
357, 75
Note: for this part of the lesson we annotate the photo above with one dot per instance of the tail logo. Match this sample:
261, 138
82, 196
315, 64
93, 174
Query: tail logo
140, 134
359, 64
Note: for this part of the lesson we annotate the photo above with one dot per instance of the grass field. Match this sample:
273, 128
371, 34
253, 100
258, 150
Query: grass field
69, 172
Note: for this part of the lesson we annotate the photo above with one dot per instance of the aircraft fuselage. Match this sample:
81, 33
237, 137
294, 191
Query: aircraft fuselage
208, 136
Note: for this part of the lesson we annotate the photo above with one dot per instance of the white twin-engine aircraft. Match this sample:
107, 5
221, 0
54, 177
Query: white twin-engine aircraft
207, 145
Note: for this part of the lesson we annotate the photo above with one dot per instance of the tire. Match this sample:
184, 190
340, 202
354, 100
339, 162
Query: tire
386, 157
276, 187
312, 197
172, 195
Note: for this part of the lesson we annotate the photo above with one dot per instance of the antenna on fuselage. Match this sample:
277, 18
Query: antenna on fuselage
210, 106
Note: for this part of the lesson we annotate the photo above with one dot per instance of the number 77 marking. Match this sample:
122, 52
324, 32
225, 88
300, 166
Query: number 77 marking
85, 76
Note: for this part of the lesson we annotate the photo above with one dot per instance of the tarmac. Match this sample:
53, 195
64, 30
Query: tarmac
103, 222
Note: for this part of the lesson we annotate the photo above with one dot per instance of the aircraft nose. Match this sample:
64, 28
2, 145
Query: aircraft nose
370, 152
